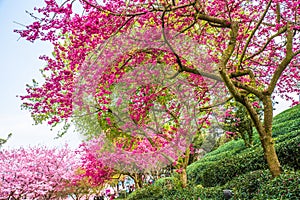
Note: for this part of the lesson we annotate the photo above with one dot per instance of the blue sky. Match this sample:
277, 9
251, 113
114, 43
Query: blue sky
19, 65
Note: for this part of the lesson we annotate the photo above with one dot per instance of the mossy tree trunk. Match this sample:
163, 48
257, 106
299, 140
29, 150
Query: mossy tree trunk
183, 166
183, 178
240, 92
265, 133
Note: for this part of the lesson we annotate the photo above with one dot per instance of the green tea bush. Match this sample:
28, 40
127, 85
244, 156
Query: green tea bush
248, 185
228, 168
290, 114
288, 152
229, 146
243, 170
192, 193
285, 186
168, 183
211, 174
151, 192
195, 169
285, 127
259, 185
231, 159
287, 136
233, 151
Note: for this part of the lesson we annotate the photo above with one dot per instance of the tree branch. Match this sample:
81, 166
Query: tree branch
280, 31
224, 60
113, 13
216, 105
253, 32
248, 89
242, 73
214, 21
285, 62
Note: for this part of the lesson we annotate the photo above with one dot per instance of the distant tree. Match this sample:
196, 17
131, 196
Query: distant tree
35, 173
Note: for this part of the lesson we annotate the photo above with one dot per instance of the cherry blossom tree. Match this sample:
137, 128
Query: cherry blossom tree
36, 173
239, 49
93, 168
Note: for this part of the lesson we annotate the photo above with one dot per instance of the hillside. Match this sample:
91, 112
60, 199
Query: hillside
240, 169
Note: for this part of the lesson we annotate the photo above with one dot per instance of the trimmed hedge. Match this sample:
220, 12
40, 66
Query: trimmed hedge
287, 115
211, 174
151, 192
224, 170
254, 185
285, 127
189, 193
288, 152
233, 149
197, 168
285, 186
233, 145
248, 185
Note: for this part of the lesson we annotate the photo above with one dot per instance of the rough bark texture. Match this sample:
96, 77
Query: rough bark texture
264, 128
183, 178
265, 133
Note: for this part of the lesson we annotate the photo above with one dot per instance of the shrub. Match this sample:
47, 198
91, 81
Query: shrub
151, 192
287, 136
285, 186
232, 166
168, 183
249, 184
288, 152
229, 146
287, 131
233, 151
192, 193
195, 169
220, 172
257, 185
285, 127
287, 115
210, 174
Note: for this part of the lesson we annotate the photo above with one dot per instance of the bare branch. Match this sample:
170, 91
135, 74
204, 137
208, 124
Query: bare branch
296, 53
278, 13
242, 73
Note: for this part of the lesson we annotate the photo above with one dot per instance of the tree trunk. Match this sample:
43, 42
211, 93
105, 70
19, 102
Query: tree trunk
183, 177
264, 130
271, 156
138, 180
